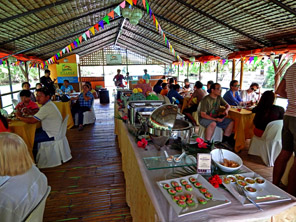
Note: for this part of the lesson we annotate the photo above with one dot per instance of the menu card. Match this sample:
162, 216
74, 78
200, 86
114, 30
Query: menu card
204, 163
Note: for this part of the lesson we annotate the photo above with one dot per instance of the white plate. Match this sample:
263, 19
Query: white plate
267, 192
218, 198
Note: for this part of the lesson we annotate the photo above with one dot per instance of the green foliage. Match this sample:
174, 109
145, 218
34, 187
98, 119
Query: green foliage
16, 74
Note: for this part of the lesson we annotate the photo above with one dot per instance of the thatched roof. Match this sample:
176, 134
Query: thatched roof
206, 27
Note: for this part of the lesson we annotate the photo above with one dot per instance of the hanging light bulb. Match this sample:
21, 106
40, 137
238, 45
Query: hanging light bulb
192, 59
133, 21
126, 12
137, 14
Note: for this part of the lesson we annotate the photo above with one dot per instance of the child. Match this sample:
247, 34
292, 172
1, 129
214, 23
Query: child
26, 107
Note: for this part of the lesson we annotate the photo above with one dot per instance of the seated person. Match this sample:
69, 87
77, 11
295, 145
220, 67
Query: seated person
38, 86
171, 83
22, 185
266, 112
49, 116
194, 100
3, 124
26, 86
94, 92
84, 104
26, 107
209, 83
249, 96
164, 90
67, 88
186, 87
157, 87
209, 114
231, 96
174, 92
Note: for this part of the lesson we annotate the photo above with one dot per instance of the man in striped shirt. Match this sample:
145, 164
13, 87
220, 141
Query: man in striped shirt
287, 89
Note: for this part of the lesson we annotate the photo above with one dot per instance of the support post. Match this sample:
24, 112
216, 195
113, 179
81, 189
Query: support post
10, 83
241, 73
103, 66
217, 71
79, 76
39, 72
178, 70
199, 71
27, 71
126, 59
233, 69
187, 71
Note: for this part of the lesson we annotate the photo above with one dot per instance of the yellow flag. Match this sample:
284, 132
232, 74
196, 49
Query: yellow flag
156, 24
69, 47
130, 2
92, 30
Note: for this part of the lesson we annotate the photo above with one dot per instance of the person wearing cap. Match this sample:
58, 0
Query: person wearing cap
118, 79
146, 76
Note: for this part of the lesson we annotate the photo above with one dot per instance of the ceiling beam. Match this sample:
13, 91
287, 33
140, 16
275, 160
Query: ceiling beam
81, 50
137, 47
282, 5
151, 47
122, 45
157, 43
89, 51
58, 24
119, 30
159, 17
255, 39
34, 10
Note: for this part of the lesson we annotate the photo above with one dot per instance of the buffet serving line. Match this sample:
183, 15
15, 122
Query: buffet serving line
149, 201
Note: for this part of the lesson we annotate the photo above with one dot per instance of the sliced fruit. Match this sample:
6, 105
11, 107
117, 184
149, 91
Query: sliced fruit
175, 184
197, 184
176, 198
166, 186
208, 195
188, 187
182, 197
202, 201
190, 202
226, 180
183, 182
171, 191
179, 189
192, 179
189, 196
203, 190
181, 203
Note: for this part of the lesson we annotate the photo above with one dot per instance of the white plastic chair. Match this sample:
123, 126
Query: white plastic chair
53, 153
37, 214
89, 117
269, 146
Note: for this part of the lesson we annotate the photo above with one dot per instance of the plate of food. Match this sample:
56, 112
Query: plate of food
256, 187
191, 194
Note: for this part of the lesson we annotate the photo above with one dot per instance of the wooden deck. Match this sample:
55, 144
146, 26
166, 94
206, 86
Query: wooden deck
91, 186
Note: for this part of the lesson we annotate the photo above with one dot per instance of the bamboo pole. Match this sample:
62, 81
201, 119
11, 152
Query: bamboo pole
241, 73
233, 69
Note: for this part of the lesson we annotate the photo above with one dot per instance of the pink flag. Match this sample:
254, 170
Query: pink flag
122, 5
87, 33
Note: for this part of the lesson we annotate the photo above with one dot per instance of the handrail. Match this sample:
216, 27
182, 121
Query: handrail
9, 93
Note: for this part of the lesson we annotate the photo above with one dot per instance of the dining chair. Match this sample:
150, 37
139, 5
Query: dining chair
89, 117
53, 153
269, 145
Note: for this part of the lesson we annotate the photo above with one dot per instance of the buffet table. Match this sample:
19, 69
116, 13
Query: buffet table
147, 203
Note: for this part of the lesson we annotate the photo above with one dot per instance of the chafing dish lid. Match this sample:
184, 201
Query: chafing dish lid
164, 116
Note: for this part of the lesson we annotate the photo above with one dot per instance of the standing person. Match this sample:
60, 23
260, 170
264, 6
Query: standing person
146, 76
84, 104
249, 96
26, 86
208, 114
49, 116
287, 89
48, 82
231, 96
128, 78
157, 87
22, 185
118, 79
66, 87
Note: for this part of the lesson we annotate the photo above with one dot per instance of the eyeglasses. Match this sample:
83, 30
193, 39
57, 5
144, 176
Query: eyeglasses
218, 89
236, 86
253, 89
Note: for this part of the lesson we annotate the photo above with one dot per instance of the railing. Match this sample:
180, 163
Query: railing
10, 93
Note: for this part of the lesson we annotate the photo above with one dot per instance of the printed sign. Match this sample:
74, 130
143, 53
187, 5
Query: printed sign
204, 161
114, 59
67, 71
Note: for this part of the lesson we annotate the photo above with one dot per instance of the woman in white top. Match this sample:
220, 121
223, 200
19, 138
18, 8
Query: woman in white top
22, 185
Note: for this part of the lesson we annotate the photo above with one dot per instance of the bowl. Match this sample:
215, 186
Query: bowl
250, 190
260, 181
250, 181
217, 158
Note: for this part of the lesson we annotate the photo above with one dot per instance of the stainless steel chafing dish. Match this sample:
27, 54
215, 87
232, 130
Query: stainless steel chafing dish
123, 95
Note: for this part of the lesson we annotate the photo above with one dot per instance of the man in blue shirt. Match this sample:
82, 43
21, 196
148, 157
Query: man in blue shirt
174, 92
67, 88
231, 96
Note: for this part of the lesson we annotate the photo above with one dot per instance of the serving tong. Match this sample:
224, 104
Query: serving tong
242, 192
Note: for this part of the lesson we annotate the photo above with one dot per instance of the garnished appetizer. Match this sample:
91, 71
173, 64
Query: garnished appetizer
241, 183
239, 177
171, 191
166, 186
259, 180
175, 184
189, 196
181, 203
250, 180
179, 189
188, 187
202, 201
226, 180
197, 184
208, 195
203, 190
176, 198
250, 189
192, 179
232, 178
182, 197
190, 202
183, 182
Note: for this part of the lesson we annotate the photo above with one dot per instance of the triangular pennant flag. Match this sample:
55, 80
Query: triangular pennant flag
117, 10
144, 3
46, 63
294, 58
251, 59
159, 29
56, 56
80, 38
147, 7
1, 62
164, 36
156, 24
87, 33
130, 2
84, 36
106, 19
153, 18
255, 59
150, 12
64, 50
77, 41
97, 26
111, 14
72, 45
101, 24
59, 55
135, 2
92, 30
67, 49
122, 5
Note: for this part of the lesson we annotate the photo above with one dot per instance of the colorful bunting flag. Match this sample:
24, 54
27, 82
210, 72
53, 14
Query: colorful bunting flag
111, 14
255, 59
72, 45
59, 55
135, 2
150, 12
56, 56
92, 30
101, 23
77, 41
153, 18
80, 38
156, 24
122, 5
64, 50
147, 7
106, 19
159, 29
87, 33
130, 2
84, 36
67, 49
117, 10
144, 3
